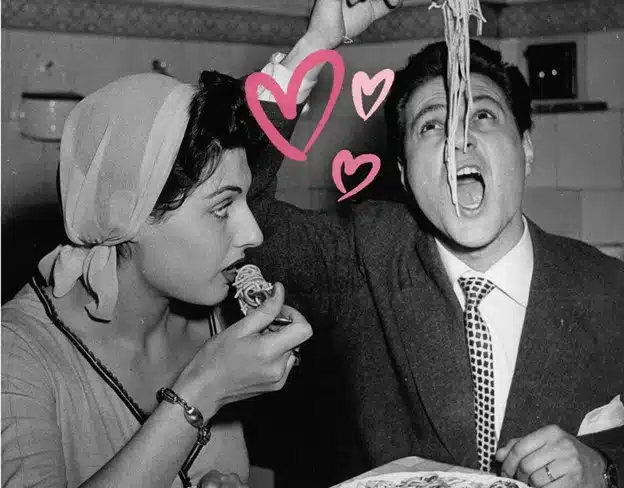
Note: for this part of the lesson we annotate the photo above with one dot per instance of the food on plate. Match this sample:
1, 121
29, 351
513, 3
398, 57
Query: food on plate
434, 480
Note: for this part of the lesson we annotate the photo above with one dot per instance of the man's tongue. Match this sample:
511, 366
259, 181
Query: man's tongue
470, 192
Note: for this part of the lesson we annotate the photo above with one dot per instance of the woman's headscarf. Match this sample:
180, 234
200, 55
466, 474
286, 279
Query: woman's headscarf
117, 150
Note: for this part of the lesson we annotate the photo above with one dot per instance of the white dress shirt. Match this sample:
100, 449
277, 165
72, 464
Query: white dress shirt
282, 75
503, 309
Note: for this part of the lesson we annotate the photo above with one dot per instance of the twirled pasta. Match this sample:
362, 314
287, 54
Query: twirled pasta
249, 281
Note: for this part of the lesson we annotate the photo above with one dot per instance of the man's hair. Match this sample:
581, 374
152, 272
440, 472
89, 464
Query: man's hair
219, 120
430, 63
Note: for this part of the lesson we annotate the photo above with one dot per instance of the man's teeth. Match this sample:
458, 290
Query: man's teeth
466, 171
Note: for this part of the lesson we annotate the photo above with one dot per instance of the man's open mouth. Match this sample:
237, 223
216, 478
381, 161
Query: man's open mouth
470, 187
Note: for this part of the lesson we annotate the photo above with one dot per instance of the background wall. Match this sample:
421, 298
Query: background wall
577, 188
90, 62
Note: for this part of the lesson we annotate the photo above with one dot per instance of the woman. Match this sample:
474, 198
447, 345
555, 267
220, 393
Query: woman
116, 361
153, 181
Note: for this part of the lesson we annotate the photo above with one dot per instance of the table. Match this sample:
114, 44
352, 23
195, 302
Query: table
412, 463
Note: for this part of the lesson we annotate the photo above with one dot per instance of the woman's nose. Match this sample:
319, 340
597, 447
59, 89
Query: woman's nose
250, 233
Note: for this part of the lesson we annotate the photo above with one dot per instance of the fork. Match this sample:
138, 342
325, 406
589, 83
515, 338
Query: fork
279, 321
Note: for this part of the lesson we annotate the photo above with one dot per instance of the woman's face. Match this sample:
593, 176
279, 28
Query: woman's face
186, 255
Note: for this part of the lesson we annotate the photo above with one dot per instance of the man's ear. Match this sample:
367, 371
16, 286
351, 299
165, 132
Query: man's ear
401, 165
529, 155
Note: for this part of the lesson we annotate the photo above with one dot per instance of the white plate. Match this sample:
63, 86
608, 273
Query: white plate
438, 479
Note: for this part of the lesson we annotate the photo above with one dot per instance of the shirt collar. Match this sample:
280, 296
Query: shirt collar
511, 274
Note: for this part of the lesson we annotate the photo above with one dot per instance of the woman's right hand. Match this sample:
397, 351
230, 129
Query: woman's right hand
242, 361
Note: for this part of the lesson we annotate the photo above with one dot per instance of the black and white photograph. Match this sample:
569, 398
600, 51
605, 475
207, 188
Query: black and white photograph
312, 244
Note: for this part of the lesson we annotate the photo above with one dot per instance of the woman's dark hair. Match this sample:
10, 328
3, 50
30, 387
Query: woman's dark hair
430, 63
219, 120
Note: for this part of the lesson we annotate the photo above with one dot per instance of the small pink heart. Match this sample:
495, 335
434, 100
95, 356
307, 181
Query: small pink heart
287, 102
362, 83
345, 158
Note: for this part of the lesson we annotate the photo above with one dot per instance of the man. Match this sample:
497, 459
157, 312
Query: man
467, 336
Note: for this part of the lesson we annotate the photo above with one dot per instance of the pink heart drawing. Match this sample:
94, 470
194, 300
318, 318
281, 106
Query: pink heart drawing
362, 83
345, 158
287, 102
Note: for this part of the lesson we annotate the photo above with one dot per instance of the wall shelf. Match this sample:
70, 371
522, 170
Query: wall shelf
558, 107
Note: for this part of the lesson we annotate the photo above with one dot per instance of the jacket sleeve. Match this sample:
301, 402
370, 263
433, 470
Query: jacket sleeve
310, 252
609, 443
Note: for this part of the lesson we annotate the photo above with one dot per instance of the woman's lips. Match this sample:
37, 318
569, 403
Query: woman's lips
230, 274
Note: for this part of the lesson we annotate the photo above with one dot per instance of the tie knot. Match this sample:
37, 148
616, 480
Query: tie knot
475, 288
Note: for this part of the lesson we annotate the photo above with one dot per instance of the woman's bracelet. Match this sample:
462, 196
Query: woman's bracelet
194, 417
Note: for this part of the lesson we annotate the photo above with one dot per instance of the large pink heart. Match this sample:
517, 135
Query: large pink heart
345, 158
287, 102
362, 83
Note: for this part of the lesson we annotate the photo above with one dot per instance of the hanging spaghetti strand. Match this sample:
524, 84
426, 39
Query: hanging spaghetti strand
457, 15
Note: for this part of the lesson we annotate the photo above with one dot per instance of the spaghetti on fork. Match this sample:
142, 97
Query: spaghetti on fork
251, 291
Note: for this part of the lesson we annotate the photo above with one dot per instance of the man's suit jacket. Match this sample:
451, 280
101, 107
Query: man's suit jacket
391, 336
571, 354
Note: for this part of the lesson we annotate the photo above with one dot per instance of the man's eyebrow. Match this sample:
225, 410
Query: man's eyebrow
425, 110
223, 189
488, 98
442, 106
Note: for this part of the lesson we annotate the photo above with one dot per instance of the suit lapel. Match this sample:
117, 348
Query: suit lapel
424, 325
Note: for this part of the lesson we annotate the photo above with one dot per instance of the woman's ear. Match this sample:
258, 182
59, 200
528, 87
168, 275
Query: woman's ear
124, 252
529, 155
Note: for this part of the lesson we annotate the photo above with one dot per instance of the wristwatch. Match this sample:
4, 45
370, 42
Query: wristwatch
610, 474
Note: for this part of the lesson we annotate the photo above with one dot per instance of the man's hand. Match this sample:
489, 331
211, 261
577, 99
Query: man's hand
333, 20
553, 458
214, 479
359, 15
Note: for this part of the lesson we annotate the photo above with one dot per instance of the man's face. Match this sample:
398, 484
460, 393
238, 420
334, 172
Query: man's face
491, 173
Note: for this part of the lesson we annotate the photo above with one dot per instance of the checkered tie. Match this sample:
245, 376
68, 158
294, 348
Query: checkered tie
482, 366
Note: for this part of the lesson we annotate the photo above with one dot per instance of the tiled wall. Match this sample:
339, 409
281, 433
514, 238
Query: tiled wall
28, 167
577, 188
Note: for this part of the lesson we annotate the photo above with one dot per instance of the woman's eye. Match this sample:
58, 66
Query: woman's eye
222, 212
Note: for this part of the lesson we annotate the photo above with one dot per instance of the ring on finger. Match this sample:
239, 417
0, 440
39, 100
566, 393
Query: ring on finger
548, 473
